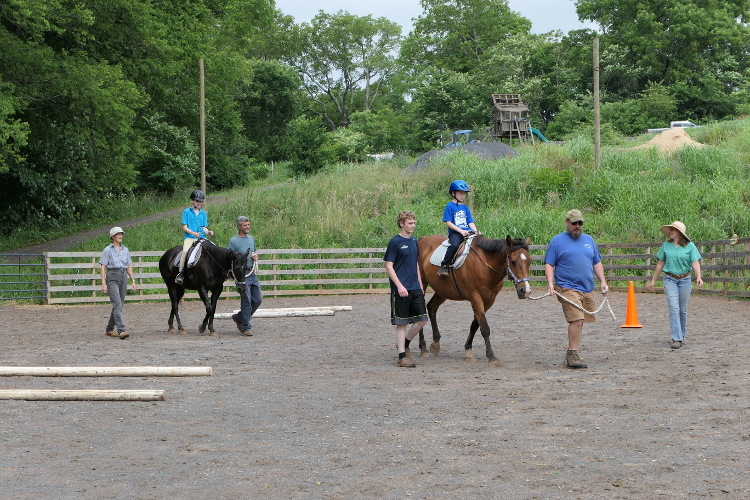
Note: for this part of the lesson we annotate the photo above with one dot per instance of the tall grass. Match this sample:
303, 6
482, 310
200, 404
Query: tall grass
633, 193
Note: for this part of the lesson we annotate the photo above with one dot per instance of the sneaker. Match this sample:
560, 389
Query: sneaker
123, 335
178, 279
238, 323
443, 272
405, 363
111, 333
676, 344
574, 360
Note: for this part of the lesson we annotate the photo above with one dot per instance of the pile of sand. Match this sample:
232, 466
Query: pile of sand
670, 140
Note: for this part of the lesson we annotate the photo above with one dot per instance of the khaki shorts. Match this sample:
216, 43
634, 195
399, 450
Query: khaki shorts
572, 313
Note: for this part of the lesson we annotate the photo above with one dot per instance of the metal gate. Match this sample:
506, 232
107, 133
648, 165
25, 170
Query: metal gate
23, 276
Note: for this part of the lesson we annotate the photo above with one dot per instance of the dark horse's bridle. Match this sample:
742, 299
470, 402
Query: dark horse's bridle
228, 272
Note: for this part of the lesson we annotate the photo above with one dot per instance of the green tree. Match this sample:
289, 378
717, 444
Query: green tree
455, 34
268, 99
697, 48
340, 56
457, 100
308, 146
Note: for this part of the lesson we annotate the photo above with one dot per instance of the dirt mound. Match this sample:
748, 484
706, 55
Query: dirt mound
485, 150
670, 140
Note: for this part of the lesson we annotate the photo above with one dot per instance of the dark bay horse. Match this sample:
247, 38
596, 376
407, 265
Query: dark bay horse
478, 280
213, 267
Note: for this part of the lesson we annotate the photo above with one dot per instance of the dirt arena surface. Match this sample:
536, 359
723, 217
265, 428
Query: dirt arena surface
315, 408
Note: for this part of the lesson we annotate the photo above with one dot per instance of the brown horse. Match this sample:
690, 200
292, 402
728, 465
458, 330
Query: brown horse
478, 280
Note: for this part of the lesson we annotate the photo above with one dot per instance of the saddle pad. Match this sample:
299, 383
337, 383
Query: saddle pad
439, 254
193, 257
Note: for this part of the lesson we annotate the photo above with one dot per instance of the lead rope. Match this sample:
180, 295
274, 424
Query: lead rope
605, 301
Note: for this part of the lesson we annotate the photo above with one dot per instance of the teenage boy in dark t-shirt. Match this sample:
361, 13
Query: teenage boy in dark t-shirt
407, 297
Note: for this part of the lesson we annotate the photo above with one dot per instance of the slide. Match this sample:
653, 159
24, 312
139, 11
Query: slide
538, 134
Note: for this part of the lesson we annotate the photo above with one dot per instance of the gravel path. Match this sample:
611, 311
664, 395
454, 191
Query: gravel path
315, 408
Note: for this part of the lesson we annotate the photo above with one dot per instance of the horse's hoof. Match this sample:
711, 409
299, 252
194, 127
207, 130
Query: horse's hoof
171, 329
424, 354
213, 334
182, 332
201, 329
435, 348
494, 363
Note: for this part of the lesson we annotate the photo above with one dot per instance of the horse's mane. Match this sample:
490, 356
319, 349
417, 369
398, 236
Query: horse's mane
490, 245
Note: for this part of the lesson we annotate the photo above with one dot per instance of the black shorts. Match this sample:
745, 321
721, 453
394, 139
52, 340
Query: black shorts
409, 309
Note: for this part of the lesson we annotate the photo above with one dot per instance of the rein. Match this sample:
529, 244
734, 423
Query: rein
605, 301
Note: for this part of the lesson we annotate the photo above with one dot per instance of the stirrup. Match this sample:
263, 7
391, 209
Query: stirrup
179, 278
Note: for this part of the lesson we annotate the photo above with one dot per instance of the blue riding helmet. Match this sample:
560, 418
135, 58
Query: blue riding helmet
458, 186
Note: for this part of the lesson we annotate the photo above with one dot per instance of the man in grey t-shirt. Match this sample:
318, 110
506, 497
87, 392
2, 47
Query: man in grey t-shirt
252, 297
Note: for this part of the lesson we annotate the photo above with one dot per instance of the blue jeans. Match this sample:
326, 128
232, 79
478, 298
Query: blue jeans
678, 295
249, 302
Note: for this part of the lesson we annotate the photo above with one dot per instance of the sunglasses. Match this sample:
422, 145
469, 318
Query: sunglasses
577, 223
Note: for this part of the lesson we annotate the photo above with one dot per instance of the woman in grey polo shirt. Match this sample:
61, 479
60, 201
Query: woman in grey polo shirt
116, 266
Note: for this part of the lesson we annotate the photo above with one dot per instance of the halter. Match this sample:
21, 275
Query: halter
513, 277
508, 272
228, 272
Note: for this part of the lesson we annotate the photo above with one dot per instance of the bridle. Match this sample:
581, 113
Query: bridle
230, 271
509, 274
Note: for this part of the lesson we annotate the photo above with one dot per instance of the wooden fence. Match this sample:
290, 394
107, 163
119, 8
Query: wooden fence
73, 277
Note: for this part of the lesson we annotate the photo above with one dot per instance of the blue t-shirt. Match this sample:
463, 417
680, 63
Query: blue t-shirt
460, 215
677, 259
574, 261
403, 252
195, 222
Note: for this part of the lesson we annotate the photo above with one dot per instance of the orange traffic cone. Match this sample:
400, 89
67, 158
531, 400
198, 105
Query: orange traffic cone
631, 316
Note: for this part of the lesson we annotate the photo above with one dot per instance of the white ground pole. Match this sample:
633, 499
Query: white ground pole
289, 312
105, 371
81, 395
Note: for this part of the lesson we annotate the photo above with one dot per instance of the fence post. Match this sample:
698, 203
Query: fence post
47, 293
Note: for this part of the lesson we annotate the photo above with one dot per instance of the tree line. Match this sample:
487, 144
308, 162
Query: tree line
99, 99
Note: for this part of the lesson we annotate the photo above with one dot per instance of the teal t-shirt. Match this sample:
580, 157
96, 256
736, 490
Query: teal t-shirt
677, 259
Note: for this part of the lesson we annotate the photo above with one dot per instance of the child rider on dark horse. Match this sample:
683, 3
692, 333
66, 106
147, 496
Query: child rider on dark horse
458, 219
195, 226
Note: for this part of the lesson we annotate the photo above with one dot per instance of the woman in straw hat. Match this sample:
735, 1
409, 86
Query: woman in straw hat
677, 257
116, 265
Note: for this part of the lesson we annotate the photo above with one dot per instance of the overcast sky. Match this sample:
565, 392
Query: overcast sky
545, 15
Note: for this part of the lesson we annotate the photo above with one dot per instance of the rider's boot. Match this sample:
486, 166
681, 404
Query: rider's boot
443, 272
178, 279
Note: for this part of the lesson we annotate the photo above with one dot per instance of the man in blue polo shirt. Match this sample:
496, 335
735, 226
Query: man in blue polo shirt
571, 261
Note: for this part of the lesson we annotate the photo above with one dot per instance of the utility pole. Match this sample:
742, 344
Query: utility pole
597, 117
203, 125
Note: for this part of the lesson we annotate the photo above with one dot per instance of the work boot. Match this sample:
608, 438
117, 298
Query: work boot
111, 333
406, 363
443, 272
123, 335
238, 322
574, 360
178, 279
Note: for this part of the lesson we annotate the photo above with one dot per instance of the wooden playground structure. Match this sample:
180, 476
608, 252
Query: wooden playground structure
510, 119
